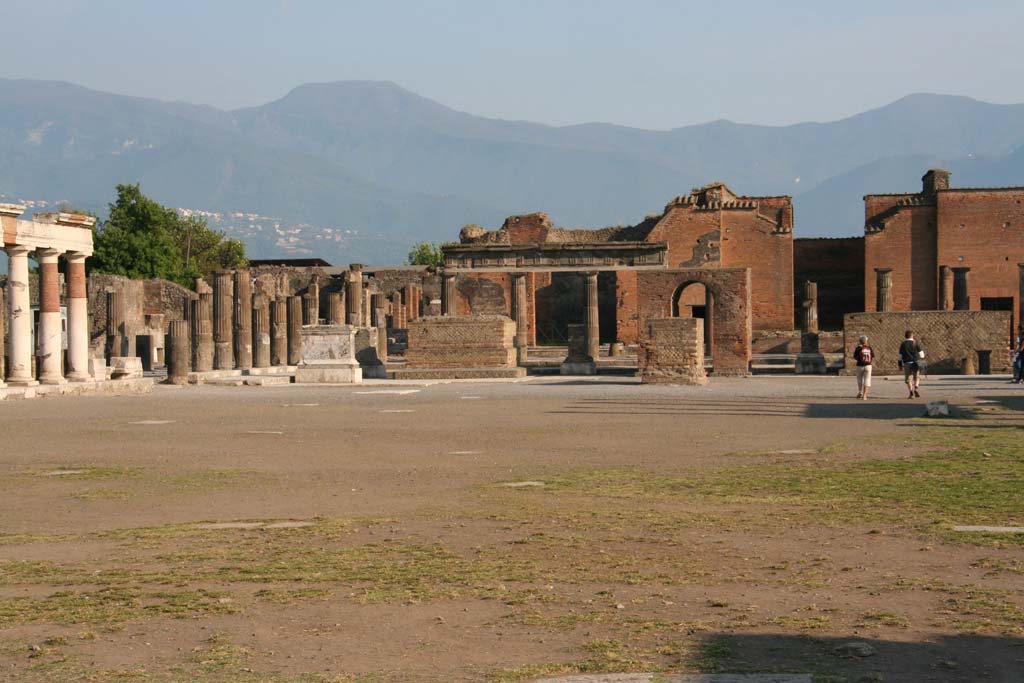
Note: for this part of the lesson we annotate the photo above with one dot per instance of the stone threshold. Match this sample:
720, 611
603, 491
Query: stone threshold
112, 387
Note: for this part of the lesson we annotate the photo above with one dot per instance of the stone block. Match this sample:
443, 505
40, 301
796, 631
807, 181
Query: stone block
937, 409
672, 352
98, 369
370, 359
126, 367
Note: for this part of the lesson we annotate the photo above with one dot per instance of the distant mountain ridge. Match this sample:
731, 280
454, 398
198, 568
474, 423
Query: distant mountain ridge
397, 167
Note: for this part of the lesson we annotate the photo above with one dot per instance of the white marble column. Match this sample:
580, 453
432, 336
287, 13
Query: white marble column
78, 319
51, 355
20, 316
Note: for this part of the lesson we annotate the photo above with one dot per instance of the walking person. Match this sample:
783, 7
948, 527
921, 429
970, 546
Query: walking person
910, 361
1018, 357
864, 355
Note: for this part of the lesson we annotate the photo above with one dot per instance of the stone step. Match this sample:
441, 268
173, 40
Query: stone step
267, 380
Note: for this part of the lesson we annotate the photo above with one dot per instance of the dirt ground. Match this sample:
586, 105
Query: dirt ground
508, 531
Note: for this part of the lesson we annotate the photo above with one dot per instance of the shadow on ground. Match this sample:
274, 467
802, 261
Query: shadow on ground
872, 410
946, 659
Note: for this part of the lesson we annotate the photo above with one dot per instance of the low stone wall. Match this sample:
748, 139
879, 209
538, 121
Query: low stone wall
672, 352
947, 337
483, 341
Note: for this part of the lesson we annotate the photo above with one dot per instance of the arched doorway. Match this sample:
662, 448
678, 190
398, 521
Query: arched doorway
695, 300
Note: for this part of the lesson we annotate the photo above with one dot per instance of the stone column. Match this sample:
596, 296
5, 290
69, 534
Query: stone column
398, 311
260, 331
279, 338
377, 306
243, 319
78, 319
51, 355
367, 308
3, 336
179, 352
961, 289
20, 312
522, 317
412, 304
336, 306
593, 332
309, 312
448, 303
810, 308
115, 324
945, 288
313, 291
294, 330
709, 321
223, 309
201, 321
1020, 297
354, 294
883, 289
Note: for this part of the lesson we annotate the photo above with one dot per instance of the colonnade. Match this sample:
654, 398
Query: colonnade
47, 237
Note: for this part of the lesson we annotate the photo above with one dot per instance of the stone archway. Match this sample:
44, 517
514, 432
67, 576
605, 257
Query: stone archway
695, 300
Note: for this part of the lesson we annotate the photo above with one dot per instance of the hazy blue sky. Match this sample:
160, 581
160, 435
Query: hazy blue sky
647, 63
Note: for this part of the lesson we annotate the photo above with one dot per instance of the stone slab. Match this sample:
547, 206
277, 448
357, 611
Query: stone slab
578, 368
268, 380
457, 373
116, 387
126, 367
328, 374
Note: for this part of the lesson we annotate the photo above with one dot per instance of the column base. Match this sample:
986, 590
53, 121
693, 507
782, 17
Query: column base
79, 377
17, 382
53, 380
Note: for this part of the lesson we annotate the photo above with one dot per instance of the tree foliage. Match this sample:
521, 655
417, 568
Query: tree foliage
143, 239
425, 254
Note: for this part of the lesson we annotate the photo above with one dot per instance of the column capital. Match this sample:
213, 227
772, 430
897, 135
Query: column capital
12, 210
961, 269
883, 270
18, 250
47, 254
75, 257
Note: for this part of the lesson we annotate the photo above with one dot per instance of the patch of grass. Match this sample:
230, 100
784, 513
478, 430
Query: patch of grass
884, 619
102, 494
111, 606
290, 596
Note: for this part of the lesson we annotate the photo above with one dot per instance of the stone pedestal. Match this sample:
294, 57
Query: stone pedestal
672, 352
579, 361
126, 367
328, 356
810, 360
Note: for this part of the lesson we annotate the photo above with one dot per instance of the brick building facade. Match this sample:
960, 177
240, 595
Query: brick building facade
928, 238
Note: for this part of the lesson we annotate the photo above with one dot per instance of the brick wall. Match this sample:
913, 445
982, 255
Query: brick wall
837, 265
672, 351
484, 341
732, 317
908, 246
947, 337
984, 231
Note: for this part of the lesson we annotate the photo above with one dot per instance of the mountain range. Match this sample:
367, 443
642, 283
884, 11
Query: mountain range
377, 167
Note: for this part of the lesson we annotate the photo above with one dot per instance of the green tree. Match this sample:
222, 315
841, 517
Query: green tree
425, 254
143, 239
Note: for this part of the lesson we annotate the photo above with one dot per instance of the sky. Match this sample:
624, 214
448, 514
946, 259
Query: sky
646, 63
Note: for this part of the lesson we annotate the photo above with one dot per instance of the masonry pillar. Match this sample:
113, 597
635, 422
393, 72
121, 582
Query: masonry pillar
50, 358
521, 315
336, 308
407, 299
78, 319
377, 310
709, 321
448, 306
294, 330
810, 307
179, 352
115, 324
314, 302
20, 310
398, 311
243, 319
354, 294
279, 337
3, 336
1020, 297
260, 331
309, 313
883, 289
593, 339
201, 321
223, 308
945, 288
961, 289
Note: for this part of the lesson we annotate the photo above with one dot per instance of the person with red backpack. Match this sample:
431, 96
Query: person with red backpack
865, 356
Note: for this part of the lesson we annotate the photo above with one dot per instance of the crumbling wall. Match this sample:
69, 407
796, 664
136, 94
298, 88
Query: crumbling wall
947, 337
672, 352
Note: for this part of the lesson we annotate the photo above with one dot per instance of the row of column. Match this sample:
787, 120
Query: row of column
954, 289
49, 333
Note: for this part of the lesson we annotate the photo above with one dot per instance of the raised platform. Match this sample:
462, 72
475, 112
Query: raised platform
456, 373
279, 374
114, 387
